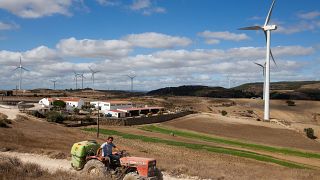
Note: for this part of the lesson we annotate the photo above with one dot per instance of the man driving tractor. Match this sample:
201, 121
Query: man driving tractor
107, 149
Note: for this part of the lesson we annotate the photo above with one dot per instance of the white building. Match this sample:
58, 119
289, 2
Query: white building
115, 113
71, 102
111, 105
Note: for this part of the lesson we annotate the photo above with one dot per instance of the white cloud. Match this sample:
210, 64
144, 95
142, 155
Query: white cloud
94, 48
140, 4
8, 26
156, 40
36, 8
215, 37
309, 15
108, 2
147, 7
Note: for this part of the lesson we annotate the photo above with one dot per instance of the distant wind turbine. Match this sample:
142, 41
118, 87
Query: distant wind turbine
82, 76
92, 76
132, 75
263, 74
76, 78
20, 67
266, 28
54, 84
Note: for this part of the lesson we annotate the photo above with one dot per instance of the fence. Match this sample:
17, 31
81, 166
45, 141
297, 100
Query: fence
142, 120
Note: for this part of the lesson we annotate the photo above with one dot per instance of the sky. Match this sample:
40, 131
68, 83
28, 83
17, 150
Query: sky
163, 43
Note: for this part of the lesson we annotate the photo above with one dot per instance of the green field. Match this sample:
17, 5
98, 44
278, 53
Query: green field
215, 149
207, 138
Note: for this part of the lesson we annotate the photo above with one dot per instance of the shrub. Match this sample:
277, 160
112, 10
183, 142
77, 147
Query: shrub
54, 116
310, 133
250, 111
290, 103
224, 113
76, 110
59, 104
4, 121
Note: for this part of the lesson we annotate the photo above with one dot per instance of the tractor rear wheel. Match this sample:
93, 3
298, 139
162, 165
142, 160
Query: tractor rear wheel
132, 176
95, 168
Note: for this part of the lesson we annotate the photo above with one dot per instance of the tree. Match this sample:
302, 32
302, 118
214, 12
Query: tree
59, 104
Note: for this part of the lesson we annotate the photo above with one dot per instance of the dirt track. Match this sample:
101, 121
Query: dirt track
53, 165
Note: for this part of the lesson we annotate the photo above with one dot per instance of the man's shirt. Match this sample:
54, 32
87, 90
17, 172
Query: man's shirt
107, 149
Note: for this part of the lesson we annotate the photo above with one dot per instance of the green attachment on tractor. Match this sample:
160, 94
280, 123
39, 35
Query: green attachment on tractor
80, 151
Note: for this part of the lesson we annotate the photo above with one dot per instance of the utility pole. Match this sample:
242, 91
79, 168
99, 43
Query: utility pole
98, 128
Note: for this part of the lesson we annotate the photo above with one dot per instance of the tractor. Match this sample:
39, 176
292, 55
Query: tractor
86, 156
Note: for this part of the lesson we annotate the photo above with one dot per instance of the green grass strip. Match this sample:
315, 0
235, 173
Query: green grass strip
192, 135
234, 152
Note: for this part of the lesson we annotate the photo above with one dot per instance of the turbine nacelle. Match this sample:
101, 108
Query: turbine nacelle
270, 27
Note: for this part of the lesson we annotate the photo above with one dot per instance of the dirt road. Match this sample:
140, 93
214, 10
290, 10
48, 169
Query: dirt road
53, 165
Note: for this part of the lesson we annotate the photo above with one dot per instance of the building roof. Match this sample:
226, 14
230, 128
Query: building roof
139, 109
118, 102
69, 99
115, 111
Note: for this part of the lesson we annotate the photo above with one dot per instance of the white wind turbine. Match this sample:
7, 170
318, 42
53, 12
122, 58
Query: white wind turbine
82, 76
54, 84
132, 75
76, 78
263, 73
20, 67
266, 28
92, 76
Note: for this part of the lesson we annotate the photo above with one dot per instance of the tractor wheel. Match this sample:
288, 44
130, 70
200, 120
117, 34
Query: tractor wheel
159, 174
95, 168
132, 176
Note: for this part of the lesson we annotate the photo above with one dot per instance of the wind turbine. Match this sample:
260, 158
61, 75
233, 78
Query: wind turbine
82, 76
131, 76
263, 73
76, 78
21, 68
266, 28
92, 76
54, 84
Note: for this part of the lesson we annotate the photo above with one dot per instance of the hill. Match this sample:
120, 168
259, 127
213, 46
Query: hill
300, 90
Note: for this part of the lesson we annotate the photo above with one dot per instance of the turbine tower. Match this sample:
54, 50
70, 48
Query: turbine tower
54, 84
92, 76
82, 76
20, 67
266, 28
263, 74
131, 76
76, 78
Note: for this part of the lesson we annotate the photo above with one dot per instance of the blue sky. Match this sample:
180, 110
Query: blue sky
166, 43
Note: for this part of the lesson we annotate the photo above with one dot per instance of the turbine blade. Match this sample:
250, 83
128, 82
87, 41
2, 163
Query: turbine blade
25, 69
15, 68
269, 13
259, 64
273, 58
251, 28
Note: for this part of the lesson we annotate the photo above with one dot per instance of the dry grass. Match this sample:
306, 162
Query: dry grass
4, 121
13, 168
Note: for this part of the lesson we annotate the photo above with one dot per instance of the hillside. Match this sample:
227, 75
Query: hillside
303, 90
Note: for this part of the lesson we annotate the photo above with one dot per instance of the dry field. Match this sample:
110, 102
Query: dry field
32, 135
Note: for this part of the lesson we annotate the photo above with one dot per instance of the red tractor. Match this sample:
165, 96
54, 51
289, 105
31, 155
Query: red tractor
122, 168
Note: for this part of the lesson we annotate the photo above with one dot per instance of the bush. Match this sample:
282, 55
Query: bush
310, 133
290, 103
54, 116
59, 104
224, 113
4, 121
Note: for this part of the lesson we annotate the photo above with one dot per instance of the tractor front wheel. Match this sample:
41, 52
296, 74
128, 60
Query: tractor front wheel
95, 168
132, 176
